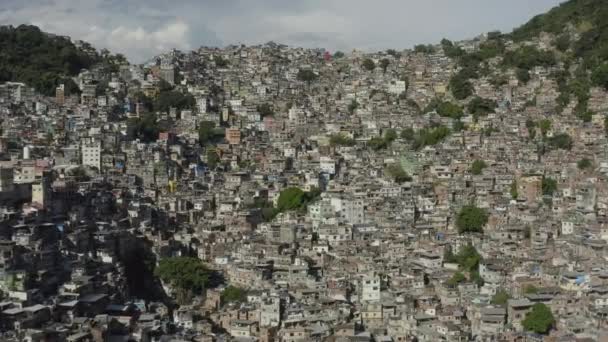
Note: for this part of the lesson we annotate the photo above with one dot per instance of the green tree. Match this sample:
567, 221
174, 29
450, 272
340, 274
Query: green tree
396, 172
468, 258
549, 186
368, 64
500, 298
562, 42
531, 126
265, 109
338, 55
408, 134
429, 137
290, 199
390, 135
184, 273
545, 127
232, 294
600, 76
481, 107
460, 86
448, 255
471, 219
478, 166
513, 190
424, 48
146, 128
340, 139
173, 99
540, 320
306, 75
523, 75
377, 143
561, 141
457, 278
353, 106
530, 289
206, 132
213, 159
584, 163
384, 63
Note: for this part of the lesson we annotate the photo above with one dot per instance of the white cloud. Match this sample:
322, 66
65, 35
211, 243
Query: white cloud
143, 28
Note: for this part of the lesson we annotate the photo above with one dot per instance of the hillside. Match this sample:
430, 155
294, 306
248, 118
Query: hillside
39, 59
586, 18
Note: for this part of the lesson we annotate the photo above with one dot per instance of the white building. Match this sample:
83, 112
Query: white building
396, 87
91, 154
370, 289
327, 165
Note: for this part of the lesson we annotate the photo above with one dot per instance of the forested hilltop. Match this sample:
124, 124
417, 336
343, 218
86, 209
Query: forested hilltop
40, 59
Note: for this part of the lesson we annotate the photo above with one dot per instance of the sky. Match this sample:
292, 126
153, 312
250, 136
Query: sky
141, 29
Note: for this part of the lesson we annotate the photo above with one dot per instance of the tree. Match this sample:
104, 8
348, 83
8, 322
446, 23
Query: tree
468, 258
460, 86
338, 54
549, 186
184, 273
408, 134
540, 320
471, 219
377, 143
562, 42
481, 107
448, 255
265, 109
341, 140
174, 99
584, 163
531, 127
394, 53
384, 63
523, 75
290, 198
561, 141
233, 294
368, 64
513, 190
396, 172
457, 278
545, 127
213, 159
530, 289
352, 106
206, 132
145, 128
424, 48
500, 298
478, 166
390, 135
600, 76
306, 75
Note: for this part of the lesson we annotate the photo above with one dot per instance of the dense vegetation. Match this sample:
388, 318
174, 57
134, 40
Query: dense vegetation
468, 259
539, 320
500, 298
478, 166
396, 172
39, 59
471, 219
588, 18
233, 294
186, 274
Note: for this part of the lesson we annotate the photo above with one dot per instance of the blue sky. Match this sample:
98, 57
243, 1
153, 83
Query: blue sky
142, 28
